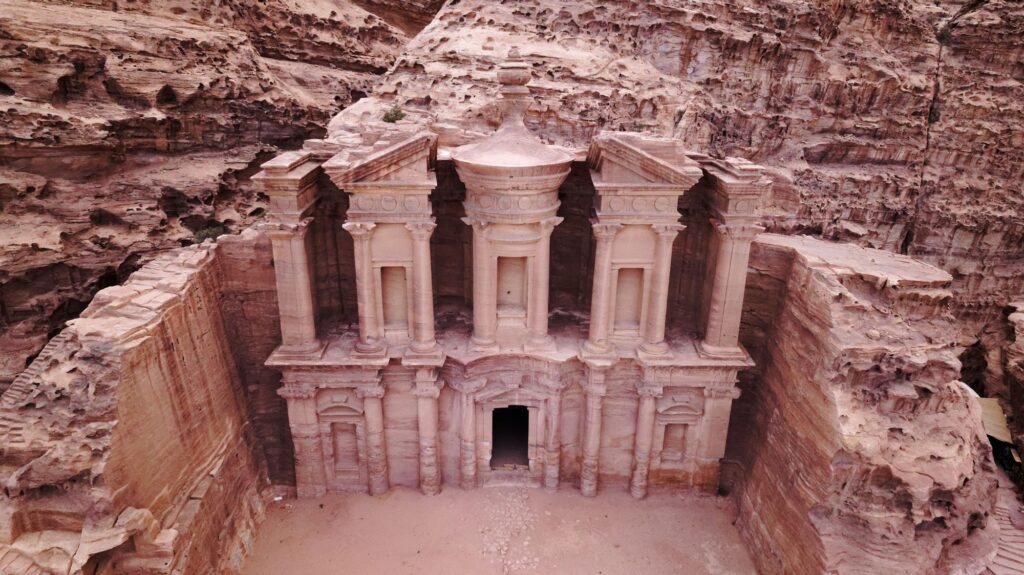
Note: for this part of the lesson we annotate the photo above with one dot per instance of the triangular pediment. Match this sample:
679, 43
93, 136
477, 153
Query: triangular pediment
630, 158
398, 157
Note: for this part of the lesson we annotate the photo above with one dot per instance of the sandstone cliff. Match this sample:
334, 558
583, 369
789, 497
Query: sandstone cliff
126, 444
129, 128
893, 123
858, 450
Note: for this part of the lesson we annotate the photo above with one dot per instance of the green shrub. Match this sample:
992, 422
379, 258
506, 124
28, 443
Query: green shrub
394, 114
210, 233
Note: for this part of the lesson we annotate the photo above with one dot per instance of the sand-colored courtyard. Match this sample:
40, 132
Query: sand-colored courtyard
499, 531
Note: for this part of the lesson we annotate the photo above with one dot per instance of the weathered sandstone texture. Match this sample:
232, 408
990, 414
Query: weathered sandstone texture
127, 128
126, 444
895, 124
858, 451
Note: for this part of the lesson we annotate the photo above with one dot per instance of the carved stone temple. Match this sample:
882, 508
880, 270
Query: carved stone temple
488, 347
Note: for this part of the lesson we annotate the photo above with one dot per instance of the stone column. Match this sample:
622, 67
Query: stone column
595, 389
423, 341
371, 337
310, 475
539, 284
713, 429
376, 454
295, 298
427, 392
467, 433
657, 299
600, 304
552, 443
644, 436
722, 325
485, 302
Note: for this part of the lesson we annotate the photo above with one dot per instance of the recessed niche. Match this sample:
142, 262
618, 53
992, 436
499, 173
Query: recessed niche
512, 288
395, 304
629, 297
346, 454
674, 448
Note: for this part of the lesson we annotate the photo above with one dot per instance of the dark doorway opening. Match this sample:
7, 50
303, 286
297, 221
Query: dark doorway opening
511, 434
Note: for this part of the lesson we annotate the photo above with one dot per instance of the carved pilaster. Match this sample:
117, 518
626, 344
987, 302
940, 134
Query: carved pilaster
377, 461
600, 305
657, 300
427, 391
538, 300
293, 276
644, 435
485, 319
310, 479
595, 389
728, 282
423, 291
467, 429
371, 334
552, 444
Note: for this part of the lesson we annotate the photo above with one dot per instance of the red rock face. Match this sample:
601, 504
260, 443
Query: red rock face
131, 128
859, 450
893, 124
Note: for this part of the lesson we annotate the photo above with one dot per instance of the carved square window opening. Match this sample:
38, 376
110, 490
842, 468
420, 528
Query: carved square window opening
394, 305
346, 446
512, 289
674, 443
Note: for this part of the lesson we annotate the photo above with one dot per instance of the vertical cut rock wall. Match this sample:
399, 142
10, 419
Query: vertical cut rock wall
860, 450
126, 444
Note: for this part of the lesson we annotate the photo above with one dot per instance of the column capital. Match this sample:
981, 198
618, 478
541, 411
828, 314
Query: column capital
281, 230
421, 230
646, 390
304, 392
737, 231
552, 382
374, 391
478, 224
547, 225
359, 230
471, 385
668, 232
305, 431
605, 231
428, 391
719, 393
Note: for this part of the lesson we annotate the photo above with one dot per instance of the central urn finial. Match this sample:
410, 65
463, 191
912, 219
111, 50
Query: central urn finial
512, 181
514, 75
512, 151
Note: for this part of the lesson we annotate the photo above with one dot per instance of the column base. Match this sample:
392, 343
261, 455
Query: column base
645, 355
638, 483
309, 350
431, 357
708, 351
653, 349
483, 345
535, 344
596, 350
373, 350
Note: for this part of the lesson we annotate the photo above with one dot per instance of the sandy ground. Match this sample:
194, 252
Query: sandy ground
499, 531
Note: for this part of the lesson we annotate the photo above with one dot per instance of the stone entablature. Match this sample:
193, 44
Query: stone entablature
587, 392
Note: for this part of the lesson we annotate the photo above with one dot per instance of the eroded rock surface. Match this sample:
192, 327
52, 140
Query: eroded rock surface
132, 128
126, 444
895, 124
860, 450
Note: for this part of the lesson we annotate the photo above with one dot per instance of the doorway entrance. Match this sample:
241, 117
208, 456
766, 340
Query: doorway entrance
511, 435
